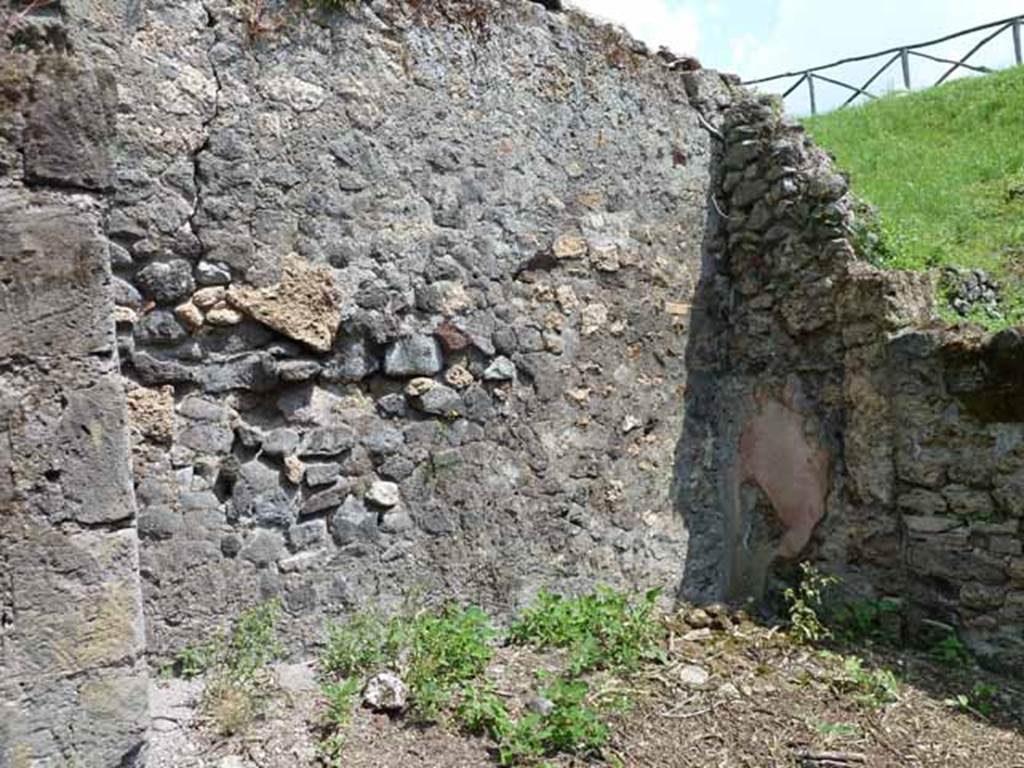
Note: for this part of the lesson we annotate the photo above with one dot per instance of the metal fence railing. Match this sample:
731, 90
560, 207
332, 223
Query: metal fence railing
904, 55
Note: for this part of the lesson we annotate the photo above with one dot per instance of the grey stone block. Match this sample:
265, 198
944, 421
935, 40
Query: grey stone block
69, 129
280, 442
352, 522
255, 372
327, 441
392, 405
307, 534
325, 500
207, 438
211, 273
321, 474
167, 282
384, 441
440, 400
500, 369
352, 360
263, 548
292, 371
159, 327
414, 356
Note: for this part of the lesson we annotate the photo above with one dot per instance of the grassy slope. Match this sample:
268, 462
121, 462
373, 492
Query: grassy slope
942, 166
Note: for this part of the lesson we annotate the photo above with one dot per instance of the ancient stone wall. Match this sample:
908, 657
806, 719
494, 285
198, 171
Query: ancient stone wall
761, 454
73, 681
404, 295
449, 300
835, 418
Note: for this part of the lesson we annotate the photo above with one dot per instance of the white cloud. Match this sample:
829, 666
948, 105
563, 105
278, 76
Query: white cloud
757, 38
656, 22
808, 33
741, 47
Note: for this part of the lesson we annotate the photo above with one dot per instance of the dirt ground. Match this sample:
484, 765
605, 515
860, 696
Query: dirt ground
770, 703
747, 696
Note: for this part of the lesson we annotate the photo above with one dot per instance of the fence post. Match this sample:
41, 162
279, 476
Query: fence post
905, 61
810, 91
1016, 41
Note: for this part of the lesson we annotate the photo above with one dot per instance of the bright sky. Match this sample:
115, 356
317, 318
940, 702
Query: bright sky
757, 38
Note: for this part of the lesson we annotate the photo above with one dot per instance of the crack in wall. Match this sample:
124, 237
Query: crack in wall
204, 145
8, 610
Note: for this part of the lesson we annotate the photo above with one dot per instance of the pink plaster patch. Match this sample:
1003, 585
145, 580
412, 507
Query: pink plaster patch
776, 455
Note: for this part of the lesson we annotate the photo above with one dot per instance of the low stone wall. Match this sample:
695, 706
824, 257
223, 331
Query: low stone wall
959, 468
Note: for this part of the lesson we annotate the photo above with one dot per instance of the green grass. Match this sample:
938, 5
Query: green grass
945, 168
445, 651
601, 630
338, 700
435, 651
443, 656
977, 702
872, 688
237, 668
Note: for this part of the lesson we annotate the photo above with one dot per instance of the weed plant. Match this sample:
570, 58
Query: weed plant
601, 630
237, 678
443, 655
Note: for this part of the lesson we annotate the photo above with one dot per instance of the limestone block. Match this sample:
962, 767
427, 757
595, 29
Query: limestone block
569, 246
53, 278
304, 305
383, 494
151, 412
